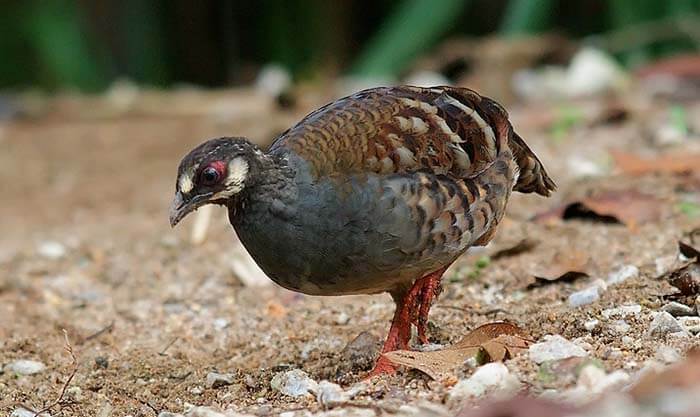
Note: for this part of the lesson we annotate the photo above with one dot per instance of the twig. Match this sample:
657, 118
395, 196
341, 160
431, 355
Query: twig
107, 328
74, 362
172, 342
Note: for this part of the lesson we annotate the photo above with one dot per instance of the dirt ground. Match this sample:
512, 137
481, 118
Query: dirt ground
85, 246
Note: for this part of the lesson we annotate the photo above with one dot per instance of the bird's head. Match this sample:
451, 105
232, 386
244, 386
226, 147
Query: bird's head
212, 173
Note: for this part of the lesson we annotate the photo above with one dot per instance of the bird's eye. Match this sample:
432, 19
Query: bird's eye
210, 176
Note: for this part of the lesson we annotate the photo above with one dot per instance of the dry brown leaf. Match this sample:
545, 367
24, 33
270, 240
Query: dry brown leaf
627, 207
565, 267
686, 277
522, 246
497, 341
670, 164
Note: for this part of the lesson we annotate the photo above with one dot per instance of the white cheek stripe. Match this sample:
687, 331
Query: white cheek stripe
237, 173
186, 184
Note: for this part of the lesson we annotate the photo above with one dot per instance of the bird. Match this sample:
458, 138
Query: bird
380, 191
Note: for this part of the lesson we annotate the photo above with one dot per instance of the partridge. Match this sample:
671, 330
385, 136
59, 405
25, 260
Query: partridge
376, 192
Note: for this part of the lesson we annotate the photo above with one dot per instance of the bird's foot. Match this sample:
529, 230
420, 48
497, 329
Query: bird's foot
383, 367
424, 292
412, 308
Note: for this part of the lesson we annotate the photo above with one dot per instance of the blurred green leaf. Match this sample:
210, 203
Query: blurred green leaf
410, 30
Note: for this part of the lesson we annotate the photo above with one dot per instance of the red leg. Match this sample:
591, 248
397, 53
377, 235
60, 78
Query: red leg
412, 306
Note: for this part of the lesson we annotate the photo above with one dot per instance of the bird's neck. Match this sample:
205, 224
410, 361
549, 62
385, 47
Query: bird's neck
270, 178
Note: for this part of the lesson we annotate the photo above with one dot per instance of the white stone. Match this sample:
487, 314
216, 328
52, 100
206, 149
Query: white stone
273, 80
554, 348
51, 249
493, 378
663, 324
622, 274
330, 395
586, 296
593, 71
294, 383
210, 412
25, 367
622, 311
342, 318
677, 309
23, 412
591, 325
216, 380
620, 326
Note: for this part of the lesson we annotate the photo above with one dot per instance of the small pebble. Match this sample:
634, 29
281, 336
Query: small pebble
492, 377
102, 362
51, 249
690, 324
628, 341
697, 305
74, 394
220, 323
663, 324
677, 309
622, 311
23, 412
591, 325
342, 318
584, 297
25, 367
196, 390
620, 326
216, 380
360, 352
294, 383
330, 394
554, 348
622, 274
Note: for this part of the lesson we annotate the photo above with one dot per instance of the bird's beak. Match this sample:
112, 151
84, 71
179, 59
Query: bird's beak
182, 206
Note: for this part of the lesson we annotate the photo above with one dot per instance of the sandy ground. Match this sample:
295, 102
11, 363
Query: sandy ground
149, 314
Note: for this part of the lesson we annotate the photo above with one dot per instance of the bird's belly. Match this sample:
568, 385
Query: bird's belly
363, 236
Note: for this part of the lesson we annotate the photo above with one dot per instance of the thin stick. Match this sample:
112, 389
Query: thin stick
172, 342
74, 362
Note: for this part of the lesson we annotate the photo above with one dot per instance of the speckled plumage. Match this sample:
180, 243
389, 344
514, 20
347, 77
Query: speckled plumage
374, 191
367, 201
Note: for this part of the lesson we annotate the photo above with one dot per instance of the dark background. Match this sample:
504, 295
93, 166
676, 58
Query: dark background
88, 44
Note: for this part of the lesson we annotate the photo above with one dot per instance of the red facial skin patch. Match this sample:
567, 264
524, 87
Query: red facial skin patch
220, 167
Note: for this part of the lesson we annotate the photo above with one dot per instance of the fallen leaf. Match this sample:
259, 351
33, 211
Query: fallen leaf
627, 207
492, 342
686, 277
565, 267
670, 164
688, 251
525, 245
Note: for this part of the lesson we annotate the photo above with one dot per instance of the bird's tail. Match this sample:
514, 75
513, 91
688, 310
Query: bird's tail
533, 177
